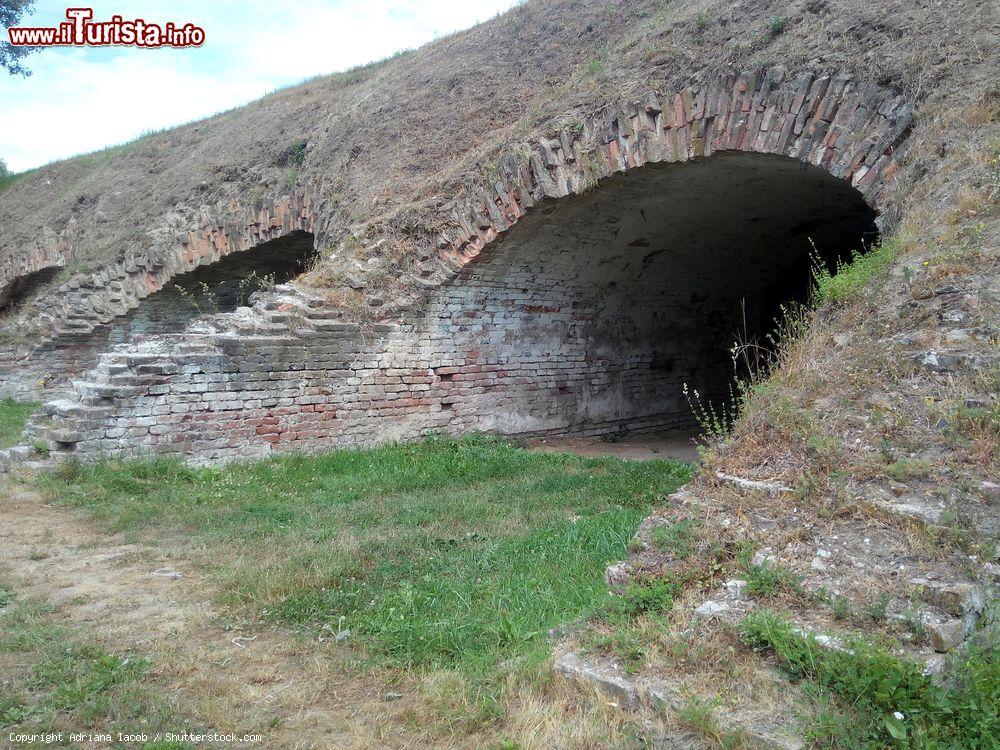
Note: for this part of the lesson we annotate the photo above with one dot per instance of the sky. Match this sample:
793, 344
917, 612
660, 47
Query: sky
82, 99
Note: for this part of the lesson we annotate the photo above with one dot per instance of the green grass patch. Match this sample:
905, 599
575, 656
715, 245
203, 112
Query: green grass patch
53, 681
865, 689
441, 553
907, 469
851, 278
680, 538
13, 417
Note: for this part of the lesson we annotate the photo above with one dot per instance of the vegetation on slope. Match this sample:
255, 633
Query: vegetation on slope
850, 279
880, 700
880, 414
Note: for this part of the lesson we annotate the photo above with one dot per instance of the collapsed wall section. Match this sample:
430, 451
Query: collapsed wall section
209, 287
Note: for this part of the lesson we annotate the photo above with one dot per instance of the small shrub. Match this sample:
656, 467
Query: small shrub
409, 225
662, 17
624, 644
842, 609
203, 298
640, 599
753, 361
822, 445
679, 537
913, 618
777, 25
701, 21
771, 578
13, 709
978, 419
252, 284
298, 155
715, 422
615, 437
877, 609
698, 714
7, 178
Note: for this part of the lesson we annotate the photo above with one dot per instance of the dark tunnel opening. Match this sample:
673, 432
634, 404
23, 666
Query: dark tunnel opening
606, 304
24, 287
217, 287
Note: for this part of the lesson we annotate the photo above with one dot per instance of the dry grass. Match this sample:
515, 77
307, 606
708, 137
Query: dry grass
395, 143
228, 673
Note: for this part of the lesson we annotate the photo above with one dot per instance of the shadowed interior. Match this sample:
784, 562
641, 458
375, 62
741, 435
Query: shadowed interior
605, 305
218, 287
23, 287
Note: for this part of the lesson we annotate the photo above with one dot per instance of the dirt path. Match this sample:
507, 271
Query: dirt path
680, 446
223, 675
149, 597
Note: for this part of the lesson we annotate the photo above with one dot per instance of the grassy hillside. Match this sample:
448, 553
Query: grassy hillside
392, 141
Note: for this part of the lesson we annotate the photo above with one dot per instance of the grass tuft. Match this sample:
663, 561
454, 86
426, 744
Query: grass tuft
869, 689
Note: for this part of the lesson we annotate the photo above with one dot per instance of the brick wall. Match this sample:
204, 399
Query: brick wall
47, 368
518, 331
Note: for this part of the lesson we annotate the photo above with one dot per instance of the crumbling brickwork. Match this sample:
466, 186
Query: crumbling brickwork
47, 366
291, 373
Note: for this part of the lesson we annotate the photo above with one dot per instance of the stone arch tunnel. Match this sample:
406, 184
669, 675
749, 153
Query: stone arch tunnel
607, 266
598, 309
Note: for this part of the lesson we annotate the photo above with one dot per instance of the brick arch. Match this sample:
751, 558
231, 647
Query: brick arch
65, 328
35, 262
95, 298
852, 129
290, 373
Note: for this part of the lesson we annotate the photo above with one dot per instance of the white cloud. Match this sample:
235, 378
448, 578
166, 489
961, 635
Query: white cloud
81, 100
